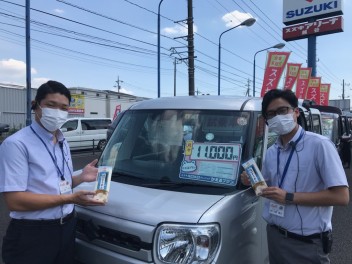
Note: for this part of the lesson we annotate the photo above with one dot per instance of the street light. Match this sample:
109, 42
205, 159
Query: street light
249, 22
277, 46
159, 48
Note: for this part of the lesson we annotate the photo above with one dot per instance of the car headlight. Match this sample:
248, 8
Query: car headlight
187, 243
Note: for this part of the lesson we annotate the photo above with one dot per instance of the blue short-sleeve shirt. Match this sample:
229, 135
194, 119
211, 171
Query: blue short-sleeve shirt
26, 166
315, 166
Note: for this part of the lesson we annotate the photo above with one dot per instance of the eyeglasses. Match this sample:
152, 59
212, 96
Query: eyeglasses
280, 111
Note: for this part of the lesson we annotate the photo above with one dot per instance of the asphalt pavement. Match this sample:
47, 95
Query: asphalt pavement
342, 225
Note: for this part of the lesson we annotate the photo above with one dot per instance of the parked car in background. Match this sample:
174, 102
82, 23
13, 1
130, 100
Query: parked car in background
4, 128
85, 133
337, 127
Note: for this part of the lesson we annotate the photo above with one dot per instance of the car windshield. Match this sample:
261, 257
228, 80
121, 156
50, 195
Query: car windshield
173, 148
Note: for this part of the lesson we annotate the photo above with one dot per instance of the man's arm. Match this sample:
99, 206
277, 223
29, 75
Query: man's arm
89, 174
338, 195
27, 201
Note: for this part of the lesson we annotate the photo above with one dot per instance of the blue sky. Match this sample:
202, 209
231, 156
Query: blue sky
92, 43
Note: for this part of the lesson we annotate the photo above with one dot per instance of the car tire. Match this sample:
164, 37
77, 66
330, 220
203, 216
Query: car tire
101, 144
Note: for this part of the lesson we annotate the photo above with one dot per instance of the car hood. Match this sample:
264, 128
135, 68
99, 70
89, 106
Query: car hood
152, 206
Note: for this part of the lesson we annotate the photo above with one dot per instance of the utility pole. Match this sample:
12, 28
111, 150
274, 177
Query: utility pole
28, 63
118, 86
248, 87
343, 88
176, 61
190, 39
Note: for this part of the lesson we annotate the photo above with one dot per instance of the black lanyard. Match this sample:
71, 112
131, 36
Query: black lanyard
288, 160
61, 173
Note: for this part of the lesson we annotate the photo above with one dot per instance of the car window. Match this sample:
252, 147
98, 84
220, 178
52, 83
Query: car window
95, 124
70, 125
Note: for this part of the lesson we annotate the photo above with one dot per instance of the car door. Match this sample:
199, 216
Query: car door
72, 132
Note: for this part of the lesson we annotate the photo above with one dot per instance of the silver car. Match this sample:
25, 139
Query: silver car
175, 194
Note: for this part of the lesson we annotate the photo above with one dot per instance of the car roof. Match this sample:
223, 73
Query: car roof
204, 102
328, 109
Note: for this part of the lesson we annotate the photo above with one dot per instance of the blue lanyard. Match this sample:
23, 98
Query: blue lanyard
61, 173
288, 160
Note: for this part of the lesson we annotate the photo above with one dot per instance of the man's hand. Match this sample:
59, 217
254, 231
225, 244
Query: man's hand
274, 193
85, 198
89, 172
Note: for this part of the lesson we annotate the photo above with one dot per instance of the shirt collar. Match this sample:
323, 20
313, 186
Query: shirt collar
278, 143
43, 133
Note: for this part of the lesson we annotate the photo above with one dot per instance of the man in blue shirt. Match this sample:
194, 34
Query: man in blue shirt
36, 181
306, 179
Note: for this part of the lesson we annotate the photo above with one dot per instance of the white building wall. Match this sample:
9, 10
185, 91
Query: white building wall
97, 103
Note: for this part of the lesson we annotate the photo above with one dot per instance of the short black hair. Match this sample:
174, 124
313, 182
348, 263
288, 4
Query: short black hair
51, 87
271, 95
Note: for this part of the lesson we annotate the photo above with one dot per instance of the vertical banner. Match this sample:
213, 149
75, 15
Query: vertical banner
117, 111
76, 104
291, 75
313, 91
275, 66
302, 82
324, 93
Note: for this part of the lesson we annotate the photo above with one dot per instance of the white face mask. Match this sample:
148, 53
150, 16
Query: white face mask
53, 119
282, 124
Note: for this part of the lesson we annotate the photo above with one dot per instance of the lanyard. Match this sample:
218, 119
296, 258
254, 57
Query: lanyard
61, 173
288, 160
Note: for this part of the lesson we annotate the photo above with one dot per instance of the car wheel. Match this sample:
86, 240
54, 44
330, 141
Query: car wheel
101, 144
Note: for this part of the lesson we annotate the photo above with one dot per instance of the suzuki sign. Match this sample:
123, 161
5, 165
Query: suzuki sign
297, 11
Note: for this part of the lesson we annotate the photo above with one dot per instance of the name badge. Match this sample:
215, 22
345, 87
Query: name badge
65, 187
277, 209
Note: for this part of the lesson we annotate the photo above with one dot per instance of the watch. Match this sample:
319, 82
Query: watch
289, 198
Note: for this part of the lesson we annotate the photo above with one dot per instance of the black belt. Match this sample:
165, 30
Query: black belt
60, 221
307, 239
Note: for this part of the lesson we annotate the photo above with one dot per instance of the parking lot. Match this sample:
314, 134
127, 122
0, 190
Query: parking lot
341, 253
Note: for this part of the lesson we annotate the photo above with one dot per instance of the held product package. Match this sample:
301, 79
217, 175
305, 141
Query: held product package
102, 185
255, 176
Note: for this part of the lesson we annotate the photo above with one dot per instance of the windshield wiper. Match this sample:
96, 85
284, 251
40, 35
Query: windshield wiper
182, 184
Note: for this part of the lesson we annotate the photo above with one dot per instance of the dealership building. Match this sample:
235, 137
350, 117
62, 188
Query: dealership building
85, 102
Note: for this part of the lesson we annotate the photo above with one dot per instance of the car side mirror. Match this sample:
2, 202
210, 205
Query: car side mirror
64, 129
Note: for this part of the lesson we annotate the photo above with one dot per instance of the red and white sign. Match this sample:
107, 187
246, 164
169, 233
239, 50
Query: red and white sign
291, 75
117, 111
313, 91
297, 11
302, 82
275, 66
316, 28
324, 93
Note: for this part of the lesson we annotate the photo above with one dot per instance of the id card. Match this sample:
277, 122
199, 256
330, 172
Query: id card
65, 187
277, 209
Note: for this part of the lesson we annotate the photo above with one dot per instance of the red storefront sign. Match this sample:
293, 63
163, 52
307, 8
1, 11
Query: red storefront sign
317, 28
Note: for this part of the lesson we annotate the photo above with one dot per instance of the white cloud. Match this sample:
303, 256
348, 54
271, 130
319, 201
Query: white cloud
123, 90
59, 11
14, 72
178, 30
235, 18
36, 82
